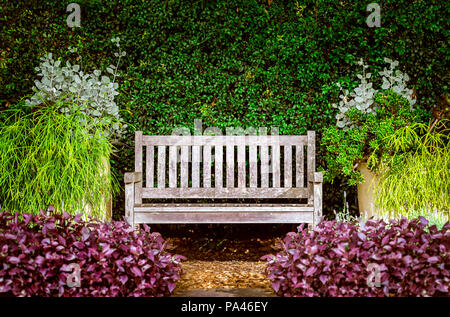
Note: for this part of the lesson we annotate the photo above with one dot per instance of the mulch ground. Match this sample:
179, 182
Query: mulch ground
223, 261
222, 274
226, 249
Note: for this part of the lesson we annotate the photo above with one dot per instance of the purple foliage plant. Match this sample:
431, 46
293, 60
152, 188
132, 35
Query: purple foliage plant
396, 258
62, 255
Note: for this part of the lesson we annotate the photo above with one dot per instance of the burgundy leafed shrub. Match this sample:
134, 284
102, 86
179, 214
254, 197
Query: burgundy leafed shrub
399, 258
39, 256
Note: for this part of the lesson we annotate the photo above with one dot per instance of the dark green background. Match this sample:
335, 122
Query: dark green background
229, 63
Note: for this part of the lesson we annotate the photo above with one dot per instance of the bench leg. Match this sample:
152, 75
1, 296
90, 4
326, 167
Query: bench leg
129, 203
317, 198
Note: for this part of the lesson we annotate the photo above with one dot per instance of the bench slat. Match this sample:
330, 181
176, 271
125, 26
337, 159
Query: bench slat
299, 166
218, 166
207, 166
173, 166
311, 162
287, 166
230, 166
161, 166
253, 166
184, 166
264, 166
225, 192
229, 217
141, 207
224, 140
220, 208
196, 166
241, 166
275, 165
149, 166
138, 165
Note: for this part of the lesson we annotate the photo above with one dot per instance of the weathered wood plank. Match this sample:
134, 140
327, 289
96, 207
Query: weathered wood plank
253, 166
173, 166
241, 166
224, 140
184, 166
132, 177
287, 166
230, 166
220, 208
196, 166
230, 205
129, 202
218, 166
138, 165
207, 166
276, 165
318, 178
161, 166
149, 166
311, 162
232, 217
299, 166
264, 152
225, 192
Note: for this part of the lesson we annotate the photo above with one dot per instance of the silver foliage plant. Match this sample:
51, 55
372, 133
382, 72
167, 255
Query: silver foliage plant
363, 96
396, 80
93, 93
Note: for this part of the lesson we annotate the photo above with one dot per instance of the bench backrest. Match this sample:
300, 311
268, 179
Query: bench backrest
269, 166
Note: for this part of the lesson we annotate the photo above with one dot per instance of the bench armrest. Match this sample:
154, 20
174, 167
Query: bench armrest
131, 190
317, 178
130, 178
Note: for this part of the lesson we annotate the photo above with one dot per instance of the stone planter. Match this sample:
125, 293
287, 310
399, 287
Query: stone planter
366, 191
106, 206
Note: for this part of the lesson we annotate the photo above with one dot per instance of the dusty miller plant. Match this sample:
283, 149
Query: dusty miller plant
93, 93
363, 96
396, 80
362, 99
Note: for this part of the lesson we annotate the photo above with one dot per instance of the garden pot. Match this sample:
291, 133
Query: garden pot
366, 191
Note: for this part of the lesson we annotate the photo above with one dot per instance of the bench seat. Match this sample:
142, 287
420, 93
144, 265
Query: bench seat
220, 213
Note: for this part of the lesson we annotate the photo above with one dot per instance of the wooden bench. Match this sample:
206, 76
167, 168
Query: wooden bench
230, 167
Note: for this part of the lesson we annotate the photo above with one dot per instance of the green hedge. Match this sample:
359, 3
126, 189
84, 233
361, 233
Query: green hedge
229, 63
